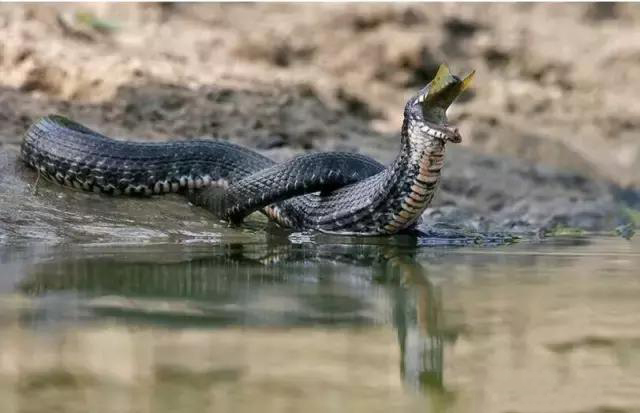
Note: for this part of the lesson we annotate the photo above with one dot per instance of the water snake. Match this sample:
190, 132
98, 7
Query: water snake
333, 192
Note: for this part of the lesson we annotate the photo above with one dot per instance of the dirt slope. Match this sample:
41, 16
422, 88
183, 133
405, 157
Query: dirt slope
554, 89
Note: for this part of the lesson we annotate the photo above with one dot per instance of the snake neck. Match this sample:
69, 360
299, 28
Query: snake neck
413, 178
395, 198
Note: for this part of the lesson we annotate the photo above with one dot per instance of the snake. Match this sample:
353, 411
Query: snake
332, 192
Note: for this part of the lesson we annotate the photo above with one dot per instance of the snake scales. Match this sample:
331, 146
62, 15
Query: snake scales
330, 192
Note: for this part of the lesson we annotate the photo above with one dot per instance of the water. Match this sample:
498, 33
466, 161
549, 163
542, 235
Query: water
305, 323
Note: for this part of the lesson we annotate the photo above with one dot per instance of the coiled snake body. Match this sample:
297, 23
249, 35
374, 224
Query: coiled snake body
331, 192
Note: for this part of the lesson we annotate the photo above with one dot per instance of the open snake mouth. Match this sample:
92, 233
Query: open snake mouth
442, 91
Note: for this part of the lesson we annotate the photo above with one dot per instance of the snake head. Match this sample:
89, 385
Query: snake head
430, 105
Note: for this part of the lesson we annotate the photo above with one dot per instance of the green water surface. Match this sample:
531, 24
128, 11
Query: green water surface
309, 323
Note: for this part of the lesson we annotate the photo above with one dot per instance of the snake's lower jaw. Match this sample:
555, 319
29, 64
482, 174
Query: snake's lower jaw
449, 134
454, 135
441, 132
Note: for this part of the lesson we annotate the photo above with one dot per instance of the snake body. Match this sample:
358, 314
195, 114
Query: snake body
331, 192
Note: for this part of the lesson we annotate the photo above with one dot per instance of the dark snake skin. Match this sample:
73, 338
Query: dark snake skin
304, 174
330, 192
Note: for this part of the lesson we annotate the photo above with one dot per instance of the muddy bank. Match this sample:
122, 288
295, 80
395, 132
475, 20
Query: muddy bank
329, 77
